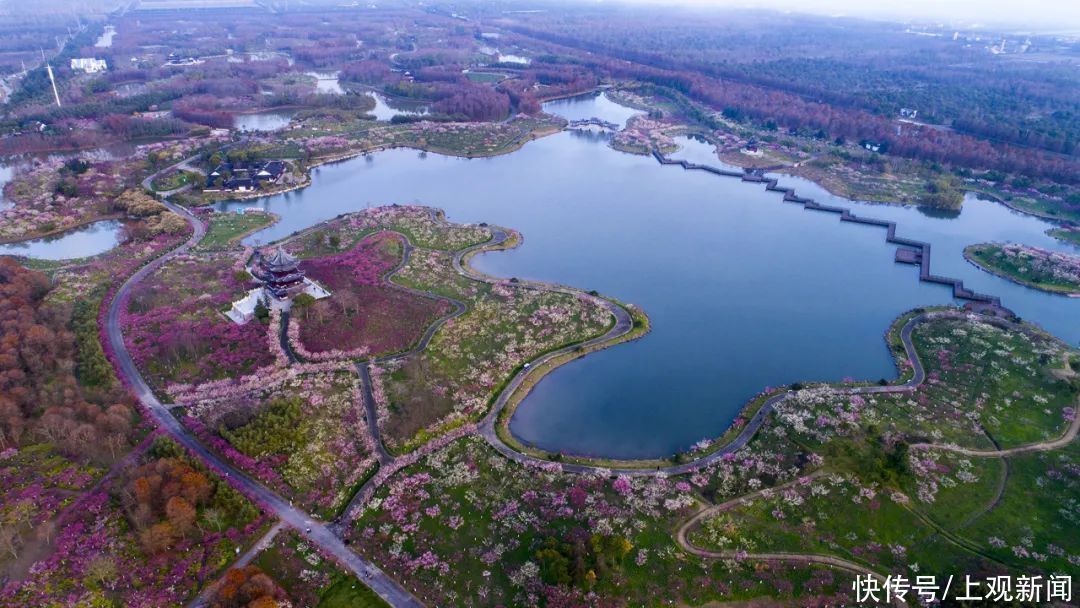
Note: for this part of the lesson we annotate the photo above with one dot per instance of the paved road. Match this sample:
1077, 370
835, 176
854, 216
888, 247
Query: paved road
315, 532
381, 454
184, 164
623, 324
203, 599
775, 556
1041, 446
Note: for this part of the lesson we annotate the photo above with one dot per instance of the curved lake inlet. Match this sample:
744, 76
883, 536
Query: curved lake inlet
82, 242
744, 291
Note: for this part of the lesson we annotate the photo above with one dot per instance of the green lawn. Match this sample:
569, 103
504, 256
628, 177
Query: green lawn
906, 510
226, 229
485, 76
466, 527
174, 180
310, 579
350, 593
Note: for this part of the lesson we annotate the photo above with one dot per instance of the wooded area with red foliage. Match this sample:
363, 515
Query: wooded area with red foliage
39, 392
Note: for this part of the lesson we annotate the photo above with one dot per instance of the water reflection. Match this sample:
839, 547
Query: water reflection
89, 240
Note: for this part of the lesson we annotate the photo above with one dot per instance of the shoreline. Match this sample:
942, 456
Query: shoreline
58, 232
971, 259
747, 412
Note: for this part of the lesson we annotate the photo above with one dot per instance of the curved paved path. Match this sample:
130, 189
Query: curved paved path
184, 164
775, 556
326, 537
1041, 446
499, 236
315, 532
828, 560
623, 325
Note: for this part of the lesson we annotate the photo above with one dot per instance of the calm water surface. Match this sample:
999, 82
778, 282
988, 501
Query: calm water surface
744, 291
7, 171
327, 83
89, 240
386, 109
271, 120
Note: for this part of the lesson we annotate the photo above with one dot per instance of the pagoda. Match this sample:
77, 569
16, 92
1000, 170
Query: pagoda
280, 273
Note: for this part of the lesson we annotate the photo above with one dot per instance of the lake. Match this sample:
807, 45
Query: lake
88, 240
744, 291
270, 120
327, 83
385, 109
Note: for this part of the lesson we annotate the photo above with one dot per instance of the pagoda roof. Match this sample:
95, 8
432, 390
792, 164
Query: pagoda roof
279, 260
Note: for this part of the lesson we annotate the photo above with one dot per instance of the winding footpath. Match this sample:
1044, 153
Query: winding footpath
776, 556
315, 532
799, 558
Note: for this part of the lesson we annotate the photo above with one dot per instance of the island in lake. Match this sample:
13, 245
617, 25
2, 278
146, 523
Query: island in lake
1051, 271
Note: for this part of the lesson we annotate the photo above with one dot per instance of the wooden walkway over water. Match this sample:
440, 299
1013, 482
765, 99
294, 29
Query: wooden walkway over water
909, 252
592, 122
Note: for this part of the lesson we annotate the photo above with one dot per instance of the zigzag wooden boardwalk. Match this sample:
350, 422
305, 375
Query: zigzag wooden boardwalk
919, 250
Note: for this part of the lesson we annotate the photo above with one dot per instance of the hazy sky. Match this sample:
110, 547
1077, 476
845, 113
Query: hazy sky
1056, 15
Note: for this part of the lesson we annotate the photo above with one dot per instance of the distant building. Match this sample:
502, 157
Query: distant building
911, 113
89, 65
248, 177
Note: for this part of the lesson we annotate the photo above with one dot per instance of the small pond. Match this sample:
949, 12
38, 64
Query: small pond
86, 241
270, 120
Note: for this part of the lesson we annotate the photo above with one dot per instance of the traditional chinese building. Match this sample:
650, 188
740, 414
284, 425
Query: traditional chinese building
280, 273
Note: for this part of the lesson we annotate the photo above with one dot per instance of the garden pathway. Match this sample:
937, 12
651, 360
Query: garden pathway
204, 597
798, 558
185, 164
1041, 446
315, 532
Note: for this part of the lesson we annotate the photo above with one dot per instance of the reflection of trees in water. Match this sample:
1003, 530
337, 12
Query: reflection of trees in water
591, 135
940, 213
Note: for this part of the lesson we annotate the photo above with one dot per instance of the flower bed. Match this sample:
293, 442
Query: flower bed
175, 331
885, 502
306, 436
47, 197
364, 314
419, 224
473, 355
463, 526
310, 578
